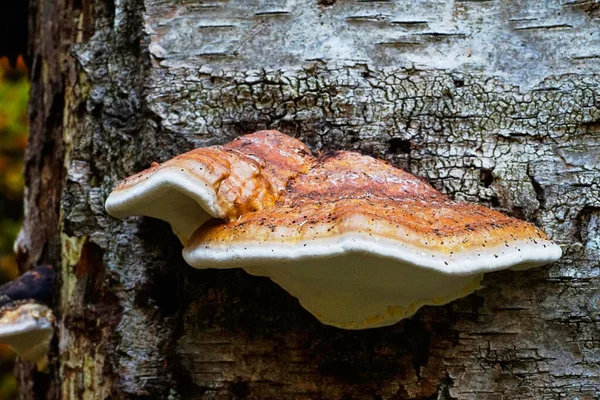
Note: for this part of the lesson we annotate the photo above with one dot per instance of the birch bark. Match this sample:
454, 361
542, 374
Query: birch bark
496, 102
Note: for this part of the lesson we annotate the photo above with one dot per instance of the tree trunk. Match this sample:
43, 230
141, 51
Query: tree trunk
496, 102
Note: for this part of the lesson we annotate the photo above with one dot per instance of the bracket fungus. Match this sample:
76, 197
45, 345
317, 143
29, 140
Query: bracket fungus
26, 322
363, 244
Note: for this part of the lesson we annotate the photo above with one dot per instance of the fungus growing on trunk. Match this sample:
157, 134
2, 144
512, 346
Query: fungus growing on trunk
27, 327
224, 182
26, 324
362, 244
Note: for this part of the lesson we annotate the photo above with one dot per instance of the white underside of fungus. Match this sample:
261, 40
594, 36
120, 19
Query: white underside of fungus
27, 327
356, 281
172, 194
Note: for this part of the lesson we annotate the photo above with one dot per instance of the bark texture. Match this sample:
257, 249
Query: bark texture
491, 101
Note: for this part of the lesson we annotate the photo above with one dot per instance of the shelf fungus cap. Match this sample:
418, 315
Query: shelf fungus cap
27, 327
247, 174
26, 324
362, 244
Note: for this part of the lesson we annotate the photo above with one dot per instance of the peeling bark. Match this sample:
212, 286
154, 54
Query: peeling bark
493, 102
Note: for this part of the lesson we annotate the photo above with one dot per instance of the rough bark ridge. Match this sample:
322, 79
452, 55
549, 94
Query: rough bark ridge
517, 128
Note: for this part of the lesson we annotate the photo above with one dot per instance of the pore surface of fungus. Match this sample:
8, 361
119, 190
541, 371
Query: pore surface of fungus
28, 328
360, 243
225, 182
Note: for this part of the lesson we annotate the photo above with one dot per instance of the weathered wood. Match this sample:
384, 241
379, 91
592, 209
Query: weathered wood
491, 101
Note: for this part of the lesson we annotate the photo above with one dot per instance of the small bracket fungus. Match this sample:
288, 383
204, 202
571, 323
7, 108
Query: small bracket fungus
26, 325
362, 244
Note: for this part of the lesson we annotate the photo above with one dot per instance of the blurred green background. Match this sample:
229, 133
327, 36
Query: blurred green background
14, 95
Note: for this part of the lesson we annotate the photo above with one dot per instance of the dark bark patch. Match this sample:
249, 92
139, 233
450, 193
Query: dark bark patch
443, 392
89, 262
398, 145
240, 389
98, 306
326, 3
486, 177
164, 279
458, 83
588, 223
419, 338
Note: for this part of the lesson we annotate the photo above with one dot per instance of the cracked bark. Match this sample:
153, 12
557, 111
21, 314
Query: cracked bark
493, 102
